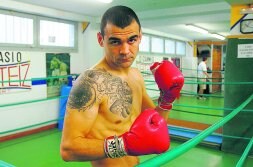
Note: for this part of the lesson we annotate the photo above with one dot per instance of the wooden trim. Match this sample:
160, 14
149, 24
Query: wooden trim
28, 132
85, 25
192, 125
242, 36
211, 42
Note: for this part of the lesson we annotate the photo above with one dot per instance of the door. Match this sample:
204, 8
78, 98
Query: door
216, 68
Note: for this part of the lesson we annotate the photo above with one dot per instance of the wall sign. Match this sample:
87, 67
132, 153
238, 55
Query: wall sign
245, 51
14, 72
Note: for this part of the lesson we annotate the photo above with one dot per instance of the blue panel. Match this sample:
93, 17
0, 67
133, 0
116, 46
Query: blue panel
65, 90
191, 134
39, 82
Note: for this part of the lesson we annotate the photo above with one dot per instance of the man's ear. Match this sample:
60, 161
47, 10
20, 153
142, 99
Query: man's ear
100, 39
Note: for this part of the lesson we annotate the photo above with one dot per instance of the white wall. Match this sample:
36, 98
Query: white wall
25, 115
89, 51
91, 48
189, 66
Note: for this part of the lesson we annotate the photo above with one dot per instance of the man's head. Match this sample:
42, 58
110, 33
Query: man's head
120, 36
120, 16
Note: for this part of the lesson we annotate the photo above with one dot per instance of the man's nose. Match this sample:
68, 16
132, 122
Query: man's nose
124, 50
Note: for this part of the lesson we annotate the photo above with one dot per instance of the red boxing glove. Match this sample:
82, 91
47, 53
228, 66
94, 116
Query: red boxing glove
148, 135
170, 81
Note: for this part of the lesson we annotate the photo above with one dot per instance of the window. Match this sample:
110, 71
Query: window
166, 46
145, 44
180, 48
16, 29
170, 46
57, 33
157, 45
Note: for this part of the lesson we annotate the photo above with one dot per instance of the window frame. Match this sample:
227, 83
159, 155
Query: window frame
35, 46
149, 43
172, 40
58, 47
18, 14
179, 54
163, 47
164, 53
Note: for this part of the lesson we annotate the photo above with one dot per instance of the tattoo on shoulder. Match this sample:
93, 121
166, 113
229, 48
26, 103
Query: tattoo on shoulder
83, 94
97, 83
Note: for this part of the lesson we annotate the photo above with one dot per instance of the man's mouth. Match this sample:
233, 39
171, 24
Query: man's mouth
126, 60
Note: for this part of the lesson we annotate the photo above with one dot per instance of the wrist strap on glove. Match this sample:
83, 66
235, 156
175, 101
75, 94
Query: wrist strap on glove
164, 106
164, 100
114, 147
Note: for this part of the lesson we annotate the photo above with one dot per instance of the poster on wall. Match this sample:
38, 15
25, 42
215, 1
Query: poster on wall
14, 72
58, 69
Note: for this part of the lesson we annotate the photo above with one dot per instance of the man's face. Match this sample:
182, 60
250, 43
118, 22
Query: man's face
121, 45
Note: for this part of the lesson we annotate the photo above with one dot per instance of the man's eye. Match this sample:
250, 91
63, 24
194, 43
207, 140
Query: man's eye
132, 40
114, 42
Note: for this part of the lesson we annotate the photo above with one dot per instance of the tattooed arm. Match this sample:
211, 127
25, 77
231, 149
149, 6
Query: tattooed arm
81, 113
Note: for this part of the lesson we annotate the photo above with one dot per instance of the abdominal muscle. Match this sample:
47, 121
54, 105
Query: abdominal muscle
105, 127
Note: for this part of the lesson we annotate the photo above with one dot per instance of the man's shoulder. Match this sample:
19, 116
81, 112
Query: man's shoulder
95, 69
202, 64
135, 70
96, 73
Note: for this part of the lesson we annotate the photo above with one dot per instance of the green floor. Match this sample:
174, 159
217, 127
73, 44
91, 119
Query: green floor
207, 111
189, 108
42, 150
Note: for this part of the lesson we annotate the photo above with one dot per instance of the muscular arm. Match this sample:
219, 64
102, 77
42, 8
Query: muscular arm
81, 113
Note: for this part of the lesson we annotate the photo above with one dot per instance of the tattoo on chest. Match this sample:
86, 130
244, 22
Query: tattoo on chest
96, 84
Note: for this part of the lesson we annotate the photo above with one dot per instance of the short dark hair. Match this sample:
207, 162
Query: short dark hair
121, 16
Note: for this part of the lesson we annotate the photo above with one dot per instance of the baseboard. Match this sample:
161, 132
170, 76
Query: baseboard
28, 132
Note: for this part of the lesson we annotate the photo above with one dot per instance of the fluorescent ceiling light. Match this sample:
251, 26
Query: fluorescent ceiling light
197, 29
247, 11
218, 36
204, 31
105, 1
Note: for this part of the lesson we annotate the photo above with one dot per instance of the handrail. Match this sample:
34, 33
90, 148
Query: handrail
245, 154
174, 153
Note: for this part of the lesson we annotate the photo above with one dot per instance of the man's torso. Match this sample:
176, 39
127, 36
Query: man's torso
201, 68
120, 101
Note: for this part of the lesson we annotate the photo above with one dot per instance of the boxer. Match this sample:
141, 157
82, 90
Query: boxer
110, 120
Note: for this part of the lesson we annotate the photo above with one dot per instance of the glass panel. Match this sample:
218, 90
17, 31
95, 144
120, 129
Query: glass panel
56, 34
16, 30
157, 45
181, 46
145, 44
170, 47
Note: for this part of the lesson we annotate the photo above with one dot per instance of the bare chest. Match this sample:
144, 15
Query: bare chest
121, 97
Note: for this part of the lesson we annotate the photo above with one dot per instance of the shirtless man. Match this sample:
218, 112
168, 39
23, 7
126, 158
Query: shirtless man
110, 119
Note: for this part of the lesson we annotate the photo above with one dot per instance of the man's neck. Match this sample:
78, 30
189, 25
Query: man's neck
114, 68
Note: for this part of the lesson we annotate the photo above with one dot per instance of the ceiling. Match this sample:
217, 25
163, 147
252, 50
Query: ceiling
167, 16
